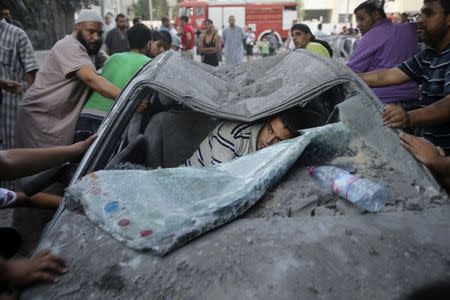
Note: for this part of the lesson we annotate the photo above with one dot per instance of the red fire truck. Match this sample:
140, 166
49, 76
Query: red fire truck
261, 15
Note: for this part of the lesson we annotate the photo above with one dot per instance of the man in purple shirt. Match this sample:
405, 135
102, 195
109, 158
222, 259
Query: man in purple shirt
385, 45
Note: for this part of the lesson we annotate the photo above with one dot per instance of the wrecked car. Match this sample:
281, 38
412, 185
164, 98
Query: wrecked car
291, 239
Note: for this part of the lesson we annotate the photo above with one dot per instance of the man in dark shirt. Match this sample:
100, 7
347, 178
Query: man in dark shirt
117, 39
431, 68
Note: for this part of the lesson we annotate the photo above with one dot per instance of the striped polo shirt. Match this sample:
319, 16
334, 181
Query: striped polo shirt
227, 141
432, 70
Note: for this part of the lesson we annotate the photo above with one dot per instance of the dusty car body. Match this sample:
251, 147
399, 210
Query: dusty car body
288, 245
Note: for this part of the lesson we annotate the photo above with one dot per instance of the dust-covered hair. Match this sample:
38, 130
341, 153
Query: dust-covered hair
371, 6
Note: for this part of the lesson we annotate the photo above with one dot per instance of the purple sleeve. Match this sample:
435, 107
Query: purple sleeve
362, 56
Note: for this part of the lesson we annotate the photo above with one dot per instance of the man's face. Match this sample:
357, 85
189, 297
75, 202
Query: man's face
272, 132
404, 18
208, 26
107, 19
156, 47
231, 21
364, 20
6, 14
433, 24
300, 38
122, 23
89, 34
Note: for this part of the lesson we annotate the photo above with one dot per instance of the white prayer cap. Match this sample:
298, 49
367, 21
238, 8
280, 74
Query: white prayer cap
88, 15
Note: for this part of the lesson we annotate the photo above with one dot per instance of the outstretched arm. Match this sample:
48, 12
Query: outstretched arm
434, 114
431, 156
98, 83
384, 77
16, 163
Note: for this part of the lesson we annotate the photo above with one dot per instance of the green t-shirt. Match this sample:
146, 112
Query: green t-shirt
265, 47
118, 70
318, 48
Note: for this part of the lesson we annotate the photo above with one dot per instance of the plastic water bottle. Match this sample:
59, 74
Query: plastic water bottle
362, 192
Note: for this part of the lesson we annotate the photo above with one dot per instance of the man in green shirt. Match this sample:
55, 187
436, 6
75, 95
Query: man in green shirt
118, 69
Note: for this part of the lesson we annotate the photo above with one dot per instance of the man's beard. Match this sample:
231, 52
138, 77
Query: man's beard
90, 51
435, 38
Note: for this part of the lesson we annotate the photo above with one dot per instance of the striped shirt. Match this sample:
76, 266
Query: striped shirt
432, 70
16, 59
7, 198
227, 141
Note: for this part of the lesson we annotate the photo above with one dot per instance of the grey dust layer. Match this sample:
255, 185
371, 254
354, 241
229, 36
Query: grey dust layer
297, 241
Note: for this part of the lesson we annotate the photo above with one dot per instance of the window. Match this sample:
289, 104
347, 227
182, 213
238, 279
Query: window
322, 15
185, 11
199, 11
342, 18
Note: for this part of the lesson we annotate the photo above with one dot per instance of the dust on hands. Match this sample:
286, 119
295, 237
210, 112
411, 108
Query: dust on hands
396, 117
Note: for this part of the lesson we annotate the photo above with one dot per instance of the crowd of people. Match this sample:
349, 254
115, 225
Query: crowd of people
51, 112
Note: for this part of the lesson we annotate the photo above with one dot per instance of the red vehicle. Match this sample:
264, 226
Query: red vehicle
261, 15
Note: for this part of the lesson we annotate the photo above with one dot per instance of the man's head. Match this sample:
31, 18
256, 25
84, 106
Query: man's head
282, 127
404, 18
139, 37
301, 35
165, 22
136, 20
121, 21
5, 13
88, 29
368, 13
108, 19
434, 22
184, 20
161, 41
231, 21
209, 25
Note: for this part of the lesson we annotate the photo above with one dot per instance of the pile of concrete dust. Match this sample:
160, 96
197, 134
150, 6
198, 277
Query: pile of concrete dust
299, 195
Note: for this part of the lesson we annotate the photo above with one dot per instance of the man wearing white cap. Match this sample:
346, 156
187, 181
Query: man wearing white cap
50, 108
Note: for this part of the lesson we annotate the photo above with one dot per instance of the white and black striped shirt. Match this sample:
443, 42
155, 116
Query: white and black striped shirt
227, 141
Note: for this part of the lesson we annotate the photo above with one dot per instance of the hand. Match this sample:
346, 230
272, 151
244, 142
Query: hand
81, 147
41, 268
143, 106
396, 117
422, 149
11, 86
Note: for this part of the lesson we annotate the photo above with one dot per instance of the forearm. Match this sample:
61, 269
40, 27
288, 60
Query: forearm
441, 165
4, 273
384, 77
40, 200
103, 87
209, 50
16, 163
31, 76
434, 114
186, 45
445, 182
